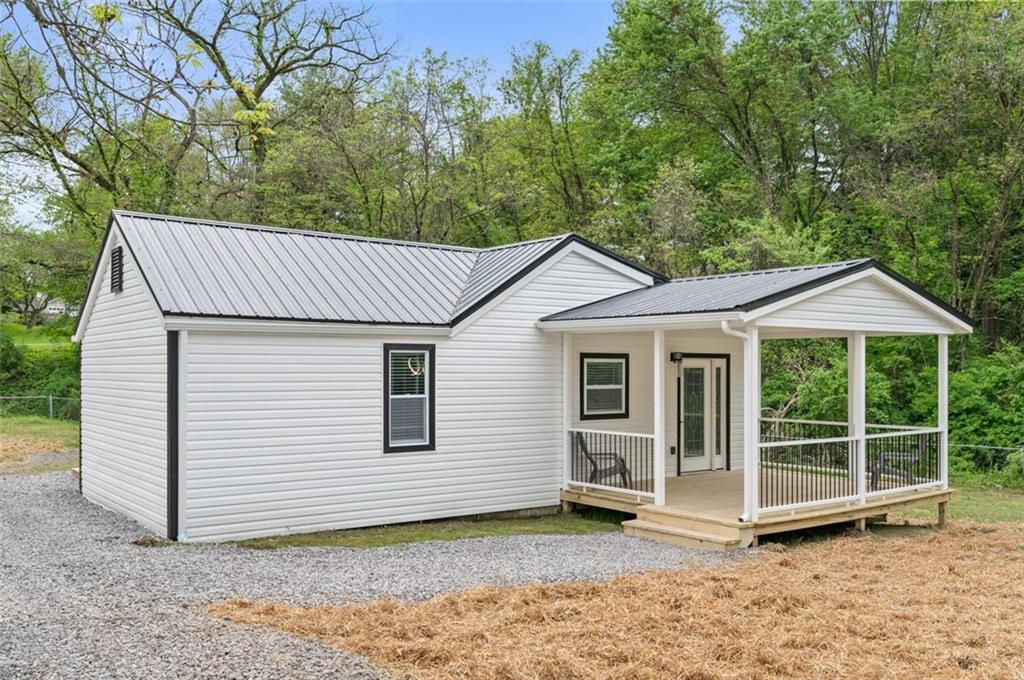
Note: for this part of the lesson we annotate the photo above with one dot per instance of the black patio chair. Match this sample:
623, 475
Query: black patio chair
898, 463
605, 464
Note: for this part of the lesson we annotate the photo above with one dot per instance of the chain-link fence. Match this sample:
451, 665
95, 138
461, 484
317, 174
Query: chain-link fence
44, 405
985, 458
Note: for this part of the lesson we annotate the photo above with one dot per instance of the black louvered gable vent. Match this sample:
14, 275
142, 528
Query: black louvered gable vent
116, 270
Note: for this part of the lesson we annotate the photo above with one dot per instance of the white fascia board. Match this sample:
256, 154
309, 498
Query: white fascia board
114, 237
207, 323
641, 278
954, 324
641, 323
94, 289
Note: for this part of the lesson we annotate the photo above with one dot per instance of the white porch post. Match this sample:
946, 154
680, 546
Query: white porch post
943, 424
566, 409
856, 406
751, 423
659, 417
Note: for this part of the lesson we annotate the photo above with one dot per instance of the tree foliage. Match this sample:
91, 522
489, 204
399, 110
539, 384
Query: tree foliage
703, 137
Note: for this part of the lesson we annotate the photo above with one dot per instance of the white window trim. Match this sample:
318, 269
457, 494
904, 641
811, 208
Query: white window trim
429, 361
594, 414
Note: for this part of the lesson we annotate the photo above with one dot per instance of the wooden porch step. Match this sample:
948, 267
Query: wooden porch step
689, 538
686, 519
600, 499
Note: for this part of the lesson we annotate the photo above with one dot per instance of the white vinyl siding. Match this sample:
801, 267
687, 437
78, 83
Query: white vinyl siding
861, 305
641, 416
284, 432
124, 394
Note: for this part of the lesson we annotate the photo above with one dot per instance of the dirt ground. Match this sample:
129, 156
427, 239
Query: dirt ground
898, 603
15, 449
26, 442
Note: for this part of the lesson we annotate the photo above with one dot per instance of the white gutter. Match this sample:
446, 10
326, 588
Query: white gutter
199, 323
668, 322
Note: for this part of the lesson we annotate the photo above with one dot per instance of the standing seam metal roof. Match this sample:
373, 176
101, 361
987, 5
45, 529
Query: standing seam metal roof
720, 293
206, 268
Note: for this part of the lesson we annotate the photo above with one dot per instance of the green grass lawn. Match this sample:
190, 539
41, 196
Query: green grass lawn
442, 530
973, 504
976, 504
25, 436
37, 338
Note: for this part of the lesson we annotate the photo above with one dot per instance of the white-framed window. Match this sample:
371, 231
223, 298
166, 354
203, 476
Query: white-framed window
604, 386
408, 398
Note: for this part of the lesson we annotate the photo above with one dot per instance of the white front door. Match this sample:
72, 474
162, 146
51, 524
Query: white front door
702, 414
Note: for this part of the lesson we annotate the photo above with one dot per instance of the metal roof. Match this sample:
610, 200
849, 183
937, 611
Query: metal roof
724, 292
207, 268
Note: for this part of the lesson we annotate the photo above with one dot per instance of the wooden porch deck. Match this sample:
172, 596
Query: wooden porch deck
703, 510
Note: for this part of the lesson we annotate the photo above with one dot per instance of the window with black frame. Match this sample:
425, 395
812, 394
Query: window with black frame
604, 386
408, 398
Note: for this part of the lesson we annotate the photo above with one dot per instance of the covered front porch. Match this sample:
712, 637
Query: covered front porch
663, 418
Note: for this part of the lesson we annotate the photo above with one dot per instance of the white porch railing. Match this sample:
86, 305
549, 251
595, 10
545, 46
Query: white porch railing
798, 473
801, 466
623, 462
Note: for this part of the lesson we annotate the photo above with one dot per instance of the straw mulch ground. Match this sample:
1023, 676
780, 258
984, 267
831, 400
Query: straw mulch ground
924, 604
14, 448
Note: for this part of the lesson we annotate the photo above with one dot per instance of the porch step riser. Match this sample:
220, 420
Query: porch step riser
685, 537
688, 523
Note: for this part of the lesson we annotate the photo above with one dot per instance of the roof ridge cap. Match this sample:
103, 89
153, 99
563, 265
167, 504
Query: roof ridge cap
754, 272
291, 230
558, 237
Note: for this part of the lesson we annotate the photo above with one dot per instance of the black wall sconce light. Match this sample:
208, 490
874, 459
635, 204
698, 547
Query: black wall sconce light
676, 357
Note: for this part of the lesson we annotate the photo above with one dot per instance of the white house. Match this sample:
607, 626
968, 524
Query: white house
241, 381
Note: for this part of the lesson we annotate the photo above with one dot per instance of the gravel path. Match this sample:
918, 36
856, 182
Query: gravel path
79, 600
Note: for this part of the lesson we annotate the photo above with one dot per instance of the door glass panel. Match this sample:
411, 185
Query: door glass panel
693, 412
718, 410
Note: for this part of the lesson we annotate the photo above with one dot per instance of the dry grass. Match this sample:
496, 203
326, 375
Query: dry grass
944, 604
22, 437
14, 448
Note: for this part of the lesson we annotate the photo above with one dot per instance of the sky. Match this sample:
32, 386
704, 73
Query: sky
491, 29
462, 29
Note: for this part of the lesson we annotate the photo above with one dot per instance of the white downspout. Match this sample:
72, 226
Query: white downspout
751, 434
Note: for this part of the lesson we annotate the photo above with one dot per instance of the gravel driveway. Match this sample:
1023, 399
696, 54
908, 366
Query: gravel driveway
79, 600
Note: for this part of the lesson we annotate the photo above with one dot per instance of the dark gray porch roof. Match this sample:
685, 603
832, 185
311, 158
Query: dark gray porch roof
728, 292
220, 269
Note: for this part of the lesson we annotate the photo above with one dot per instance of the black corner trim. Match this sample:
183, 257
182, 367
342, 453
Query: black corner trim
431, 397
582, 382
172, 435
80, 421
